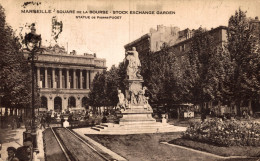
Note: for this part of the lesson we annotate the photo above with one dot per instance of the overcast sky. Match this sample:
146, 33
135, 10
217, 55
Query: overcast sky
108, 37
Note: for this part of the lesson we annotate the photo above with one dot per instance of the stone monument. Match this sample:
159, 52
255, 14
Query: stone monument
136, 108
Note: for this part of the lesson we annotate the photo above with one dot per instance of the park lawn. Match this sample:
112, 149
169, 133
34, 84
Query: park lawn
249, 151
136, 146
143, 147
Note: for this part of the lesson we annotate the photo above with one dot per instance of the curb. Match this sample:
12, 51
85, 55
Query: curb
207, 153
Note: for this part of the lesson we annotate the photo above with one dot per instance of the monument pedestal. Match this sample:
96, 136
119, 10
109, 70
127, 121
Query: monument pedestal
137, 115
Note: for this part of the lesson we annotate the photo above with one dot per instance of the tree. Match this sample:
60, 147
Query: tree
158, 74
243, 46
97, 95
206, 70
112, 86
15, 76
104, 91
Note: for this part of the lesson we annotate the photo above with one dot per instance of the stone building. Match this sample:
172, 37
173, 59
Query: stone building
173, 37
182, 47
64, 80
157, 38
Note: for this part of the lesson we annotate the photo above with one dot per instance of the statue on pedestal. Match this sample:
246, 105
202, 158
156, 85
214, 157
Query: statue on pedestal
133, 64
135, 106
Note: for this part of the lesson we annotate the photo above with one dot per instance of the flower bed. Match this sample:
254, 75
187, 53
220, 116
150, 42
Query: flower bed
225, 133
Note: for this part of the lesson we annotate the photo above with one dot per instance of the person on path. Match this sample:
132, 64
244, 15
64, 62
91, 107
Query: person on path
43, 121
11, 151
25, 152
48, 120
62, 120
17, 122
13, 123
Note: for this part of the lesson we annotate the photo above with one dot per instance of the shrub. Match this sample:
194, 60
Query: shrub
225, 133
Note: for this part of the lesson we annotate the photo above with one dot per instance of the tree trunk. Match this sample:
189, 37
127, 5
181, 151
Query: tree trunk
250, 107
11, 111
178, 111
238, 105
15, 111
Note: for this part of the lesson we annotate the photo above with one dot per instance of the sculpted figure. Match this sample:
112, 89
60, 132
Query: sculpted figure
121, 98
133, 64
133, 99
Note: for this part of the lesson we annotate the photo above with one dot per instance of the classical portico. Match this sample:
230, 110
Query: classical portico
64, 80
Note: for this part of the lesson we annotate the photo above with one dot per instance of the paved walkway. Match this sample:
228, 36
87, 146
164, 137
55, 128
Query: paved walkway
14, 138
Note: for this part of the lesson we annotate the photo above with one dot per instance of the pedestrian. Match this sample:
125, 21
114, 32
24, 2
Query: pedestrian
20, 120
2, 121
48, 120
62, 120
13, 122
43, 121
11, 151
17, 122
24, 153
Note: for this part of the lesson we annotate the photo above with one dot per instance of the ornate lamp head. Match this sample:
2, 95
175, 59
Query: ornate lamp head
33, 40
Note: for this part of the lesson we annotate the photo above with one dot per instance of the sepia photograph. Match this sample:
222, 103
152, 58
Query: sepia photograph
133, 80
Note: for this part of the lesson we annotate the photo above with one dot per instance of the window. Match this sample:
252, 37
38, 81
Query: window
182, 47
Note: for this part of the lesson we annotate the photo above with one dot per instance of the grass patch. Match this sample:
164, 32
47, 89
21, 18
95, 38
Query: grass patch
138, 146
144, 147
249, 151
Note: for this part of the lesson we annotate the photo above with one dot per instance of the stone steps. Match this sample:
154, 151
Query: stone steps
110, 128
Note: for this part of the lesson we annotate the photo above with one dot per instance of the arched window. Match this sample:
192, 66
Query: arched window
71, 102
85, 102
57, 104
44, 102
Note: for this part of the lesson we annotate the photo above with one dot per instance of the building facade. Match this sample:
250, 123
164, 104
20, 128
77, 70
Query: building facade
64, 80
157, 38
178, 40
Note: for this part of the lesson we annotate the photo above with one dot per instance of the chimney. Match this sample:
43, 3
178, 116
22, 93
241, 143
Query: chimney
73, 52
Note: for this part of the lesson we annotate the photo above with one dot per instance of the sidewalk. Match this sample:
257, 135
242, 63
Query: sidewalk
14, 138
9, 137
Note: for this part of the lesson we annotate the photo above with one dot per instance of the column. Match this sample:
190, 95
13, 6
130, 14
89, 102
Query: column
38, 77
60, 77
80, 79
87, 79
53, 78
68, 78
74, 78
46, 77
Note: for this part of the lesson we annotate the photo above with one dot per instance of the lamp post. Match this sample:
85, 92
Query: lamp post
33, 44
1, 115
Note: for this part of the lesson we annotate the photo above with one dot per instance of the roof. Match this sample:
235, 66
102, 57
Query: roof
137, 40
210, 31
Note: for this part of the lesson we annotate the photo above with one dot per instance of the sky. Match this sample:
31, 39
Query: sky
107, 37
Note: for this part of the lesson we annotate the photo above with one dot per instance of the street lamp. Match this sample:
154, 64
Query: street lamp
1, 115
33, 44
